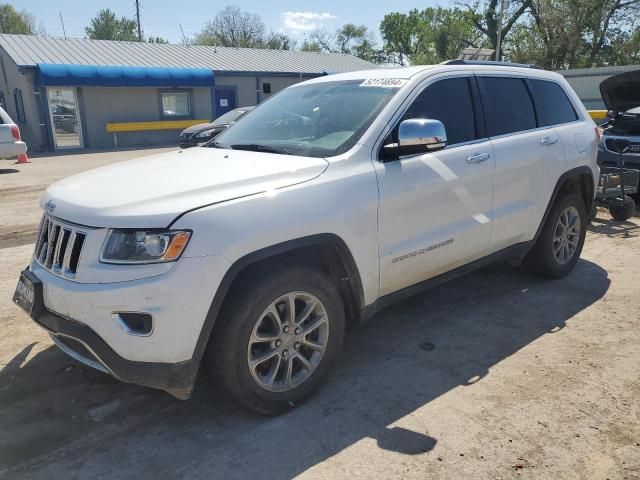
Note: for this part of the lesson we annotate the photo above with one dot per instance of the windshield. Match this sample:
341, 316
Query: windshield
316, 120
231, 116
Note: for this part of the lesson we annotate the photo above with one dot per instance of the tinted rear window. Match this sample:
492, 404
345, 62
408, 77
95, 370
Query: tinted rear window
450, 102
507, 105
552, 105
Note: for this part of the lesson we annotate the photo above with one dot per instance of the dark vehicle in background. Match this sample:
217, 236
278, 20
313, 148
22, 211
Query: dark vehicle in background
621, 95
203, 132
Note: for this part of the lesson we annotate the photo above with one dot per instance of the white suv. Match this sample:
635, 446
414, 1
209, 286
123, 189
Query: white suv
327, 202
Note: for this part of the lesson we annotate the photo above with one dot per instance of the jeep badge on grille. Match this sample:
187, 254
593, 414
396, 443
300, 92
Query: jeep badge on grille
50, 206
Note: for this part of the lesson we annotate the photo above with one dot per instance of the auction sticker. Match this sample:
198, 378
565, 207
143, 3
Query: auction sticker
384, 82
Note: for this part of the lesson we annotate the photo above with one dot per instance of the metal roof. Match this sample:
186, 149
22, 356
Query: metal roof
28, 51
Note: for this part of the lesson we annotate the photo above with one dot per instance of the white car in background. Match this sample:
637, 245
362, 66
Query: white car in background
11, 145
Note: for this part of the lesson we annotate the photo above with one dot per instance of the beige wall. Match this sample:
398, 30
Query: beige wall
11, 78
103, 105
100, 105
246, 86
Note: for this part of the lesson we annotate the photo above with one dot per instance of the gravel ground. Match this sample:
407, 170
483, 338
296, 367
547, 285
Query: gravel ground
499, 374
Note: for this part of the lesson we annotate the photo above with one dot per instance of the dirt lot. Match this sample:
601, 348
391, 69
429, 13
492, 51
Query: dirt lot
496, 375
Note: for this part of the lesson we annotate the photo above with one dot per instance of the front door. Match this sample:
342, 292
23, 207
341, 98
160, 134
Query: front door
65, 117
435, 208
225, 100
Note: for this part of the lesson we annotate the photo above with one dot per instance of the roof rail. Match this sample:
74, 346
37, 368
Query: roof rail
489, 62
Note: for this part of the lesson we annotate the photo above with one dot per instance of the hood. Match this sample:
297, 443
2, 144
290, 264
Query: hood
152, 191
621, 92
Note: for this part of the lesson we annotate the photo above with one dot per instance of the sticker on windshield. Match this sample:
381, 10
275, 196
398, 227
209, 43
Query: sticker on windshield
384, 82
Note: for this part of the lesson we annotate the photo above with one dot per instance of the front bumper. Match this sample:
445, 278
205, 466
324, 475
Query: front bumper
81, 318
85, 345
610, 159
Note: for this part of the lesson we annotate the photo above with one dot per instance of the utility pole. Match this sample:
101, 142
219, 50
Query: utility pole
504, 4
64, 32
184, 39
138, 18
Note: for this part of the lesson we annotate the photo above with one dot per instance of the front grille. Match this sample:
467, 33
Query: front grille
59, 246
632, 148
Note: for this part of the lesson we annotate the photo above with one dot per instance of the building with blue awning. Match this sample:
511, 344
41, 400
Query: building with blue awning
75, 93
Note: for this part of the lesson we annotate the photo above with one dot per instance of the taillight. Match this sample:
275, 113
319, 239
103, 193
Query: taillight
598, 133
15, 131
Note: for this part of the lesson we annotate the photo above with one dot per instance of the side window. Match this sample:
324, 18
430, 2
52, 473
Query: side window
450, 102
175, 104
507, 105
552, 105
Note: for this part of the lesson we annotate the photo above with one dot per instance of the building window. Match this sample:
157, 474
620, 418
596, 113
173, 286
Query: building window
17, 98
176, 104
266, 88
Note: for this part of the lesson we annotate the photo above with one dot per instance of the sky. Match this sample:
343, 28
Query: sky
164, 17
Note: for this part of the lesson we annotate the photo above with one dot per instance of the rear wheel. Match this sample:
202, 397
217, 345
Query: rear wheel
560, 243
278, 335
625, 211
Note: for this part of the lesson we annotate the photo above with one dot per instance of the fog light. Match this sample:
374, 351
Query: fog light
134, 323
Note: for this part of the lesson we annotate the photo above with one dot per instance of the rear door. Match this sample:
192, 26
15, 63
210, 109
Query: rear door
555, 110
435, 208
528, 158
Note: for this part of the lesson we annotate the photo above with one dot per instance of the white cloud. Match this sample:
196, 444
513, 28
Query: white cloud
305, 21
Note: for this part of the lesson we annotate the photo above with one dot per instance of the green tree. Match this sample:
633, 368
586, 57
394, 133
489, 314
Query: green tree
428, 36
353, 39
278, 41
484, 15
13, 21
577, 33
233, 27
310, 46
157, 40
106, 26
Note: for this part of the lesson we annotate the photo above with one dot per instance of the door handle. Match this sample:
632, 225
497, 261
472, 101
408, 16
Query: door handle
478, 158
548, 140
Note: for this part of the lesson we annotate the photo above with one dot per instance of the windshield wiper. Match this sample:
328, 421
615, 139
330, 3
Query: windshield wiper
257, 147
215, 144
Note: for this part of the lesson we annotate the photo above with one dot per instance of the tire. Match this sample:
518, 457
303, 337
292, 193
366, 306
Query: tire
256, 301
543, 257
625, 211
593, 212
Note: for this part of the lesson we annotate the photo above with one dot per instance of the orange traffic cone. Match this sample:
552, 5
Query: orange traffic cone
22, 158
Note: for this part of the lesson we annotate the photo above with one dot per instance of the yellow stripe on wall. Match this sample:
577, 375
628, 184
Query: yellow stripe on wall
150, 126
598, 114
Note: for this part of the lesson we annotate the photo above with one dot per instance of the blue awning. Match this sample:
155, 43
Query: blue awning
122, 76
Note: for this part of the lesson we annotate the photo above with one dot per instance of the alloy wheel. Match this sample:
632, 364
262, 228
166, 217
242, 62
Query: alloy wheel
567, 235
288, 341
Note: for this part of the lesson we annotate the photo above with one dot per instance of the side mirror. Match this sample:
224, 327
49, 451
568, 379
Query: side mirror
420, 135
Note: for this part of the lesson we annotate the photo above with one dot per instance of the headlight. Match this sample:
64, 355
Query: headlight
206, 133
144, 246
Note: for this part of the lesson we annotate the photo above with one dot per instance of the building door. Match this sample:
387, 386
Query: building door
65, 117
225, 100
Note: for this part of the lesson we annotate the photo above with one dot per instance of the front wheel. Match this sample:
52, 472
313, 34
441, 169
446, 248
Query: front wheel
560, 243
278, 335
